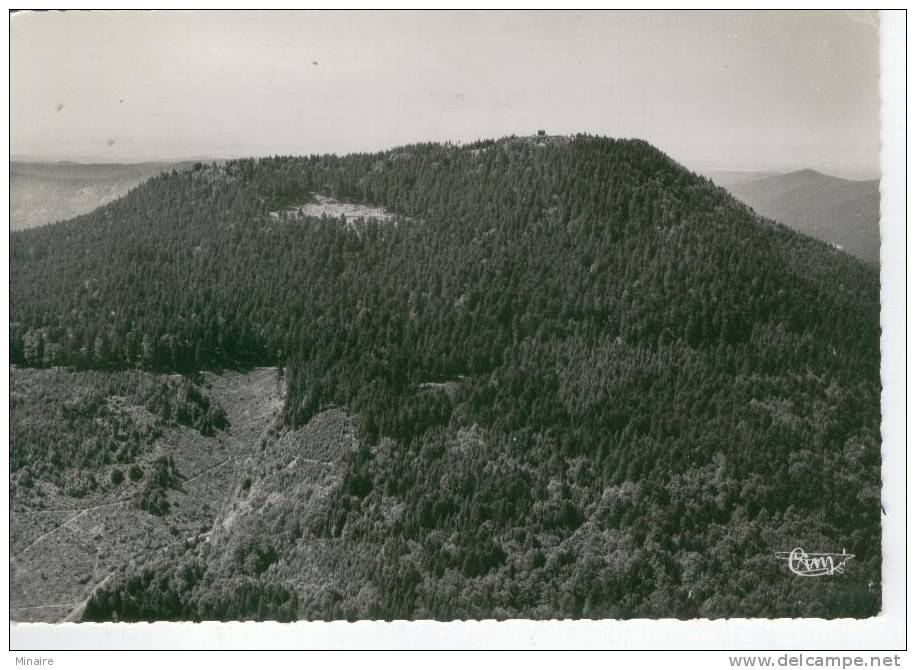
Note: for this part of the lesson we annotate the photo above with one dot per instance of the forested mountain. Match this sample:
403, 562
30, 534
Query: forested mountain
587, 381
42, 193
842, 212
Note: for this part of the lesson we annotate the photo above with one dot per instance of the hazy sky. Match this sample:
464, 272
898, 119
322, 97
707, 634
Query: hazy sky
729, 90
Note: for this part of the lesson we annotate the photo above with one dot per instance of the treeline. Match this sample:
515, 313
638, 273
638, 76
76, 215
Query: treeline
665, 388
188, 592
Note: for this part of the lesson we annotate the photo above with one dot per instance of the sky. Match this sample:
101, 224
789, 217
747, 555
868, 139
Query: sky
715, 90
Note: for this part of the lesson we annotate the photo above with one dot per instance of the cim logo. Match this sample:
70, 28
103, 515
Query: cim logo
814, 564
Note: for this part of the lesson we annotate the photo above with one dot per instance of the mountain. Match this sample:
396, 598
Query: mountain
841, 212
728, 178
533, 377
42, 193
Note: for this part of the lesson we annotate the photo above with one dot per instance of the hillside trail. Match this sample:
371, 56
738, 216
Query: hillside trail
253, 402
66, 523
85, 510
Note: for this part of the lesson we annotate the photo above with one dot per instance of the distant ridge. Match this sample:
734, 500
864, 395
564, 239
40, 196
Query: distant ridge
43, 192
841, 212
728, 178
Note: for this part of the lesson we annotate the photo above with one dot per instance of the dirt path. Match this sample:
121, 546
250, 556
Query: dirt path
206, 470
86, 510
76, 613
67, 523
253, 401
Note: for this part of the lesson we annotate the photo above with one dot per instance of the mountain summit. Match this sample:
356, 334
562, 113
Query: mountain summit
573, 378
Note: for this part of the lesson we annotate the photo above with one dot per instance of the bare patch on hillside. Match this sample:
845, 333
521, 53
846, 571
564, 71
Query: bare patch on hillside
283, 491
325, 206
450, 387
254, 485
64, 549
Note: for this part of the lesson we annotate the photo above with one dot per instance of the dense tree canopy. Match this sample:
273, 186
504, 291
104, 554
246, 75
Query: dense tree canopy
590, 382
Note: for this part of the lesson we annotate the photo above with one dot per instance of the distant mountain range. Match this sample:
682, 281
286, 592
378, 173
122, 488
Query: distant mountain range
42, 193
841, 212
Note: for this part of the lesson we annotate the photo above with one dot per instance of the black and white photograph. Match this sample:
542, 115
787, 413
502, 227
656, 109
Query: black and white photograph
447, 316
